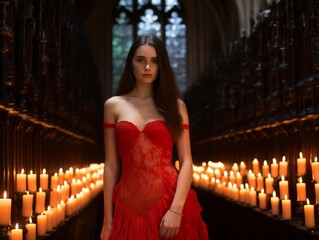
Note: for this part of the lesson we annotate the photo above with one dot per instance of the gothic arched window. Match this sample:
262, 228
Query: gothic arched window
163, 18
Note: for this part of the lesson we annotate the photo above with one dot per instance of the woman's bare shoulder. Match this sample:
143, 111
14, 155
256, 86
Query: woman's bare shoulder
113, 101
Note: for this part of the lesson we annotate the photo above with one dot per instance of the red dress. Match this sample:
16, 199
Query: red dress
147, 185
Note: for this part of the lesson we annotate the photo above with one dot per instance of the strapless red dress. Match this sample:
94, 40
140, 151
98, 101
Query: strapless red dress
147, 185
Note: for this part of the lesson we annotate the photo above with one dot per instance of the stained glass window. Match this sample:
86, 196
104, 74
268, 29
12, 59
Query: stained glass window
163, 18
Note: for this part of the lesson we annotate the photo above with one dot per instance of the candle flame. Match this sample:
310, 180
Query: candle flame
300, 180
55, 174
265, 163
274, 161
282, 178
242, 163
255, 160
40, 189
300, 155
5, 194
30, 219
284, 158
269, 176
49, 208
252, 189
17, 226
262, 190
61, 170
286, 197
22, 171
274, 194
316, 159
308, 202
44, 171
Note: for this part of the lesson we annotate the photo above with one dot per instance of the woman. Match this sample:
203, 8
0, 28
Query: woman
152, 200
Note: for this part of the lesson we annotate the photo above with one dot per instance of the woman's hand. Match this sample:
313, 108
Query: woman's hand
170, 224
106, 230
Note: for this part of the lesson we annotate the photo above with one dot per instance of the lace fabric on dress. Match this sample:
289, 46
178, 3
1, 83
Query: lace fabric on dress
147, 184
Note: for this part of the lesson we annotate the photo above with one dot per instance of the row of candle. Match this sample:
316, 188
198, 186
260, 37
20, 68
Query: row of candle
64, 200
217, 178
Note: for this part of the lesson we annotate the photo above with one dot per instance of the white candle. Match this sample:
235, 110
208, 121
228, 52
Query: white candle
32, 182
309, 215
5, 210
265, 169
301, 191
242, 168
283, 188
260, 182
44, 180
274, 168
49, 214
274, 200
286, 208
54, 198
40, 201
301, 165
315, 170
283, 167
21, 181
255, 166
31, 227
16, 234
262, 197
269, 184
252, 197
54, 181
239, 179
41, 224
27, 205
61, 176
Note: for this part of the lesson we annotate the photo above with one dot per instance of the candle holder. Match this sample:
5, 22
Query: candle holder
4, 232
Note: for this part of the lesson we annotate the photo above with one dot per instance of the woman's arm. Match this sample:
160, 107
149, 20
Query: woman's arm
185, 164
171, 221
111, 167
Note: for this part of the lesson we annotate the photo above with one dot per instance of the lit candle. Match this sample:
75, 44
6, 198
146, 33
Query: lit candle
255, 166
269, 184
239, 179
274, 168
27, 204
242, 195
252, 197
262, 197
41, 224
274, 200
301, 191
251, 179
260, 182
40, 201
31, 233
301, 165
283, 167
44, 180
286, 208
283, 188
61, 176
54, 181
32, 182
21, 181
5, 210
265, 169
242, 168
309, 215
235, 168
49, 214
16, 234
53, 198
315, 170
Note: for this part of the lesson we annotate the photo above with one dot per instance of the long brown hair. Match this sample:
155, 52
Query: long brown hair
165, 90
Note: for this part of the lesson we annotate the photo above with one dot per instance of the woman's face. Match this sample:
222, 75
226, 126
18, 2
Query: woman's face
145, 64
